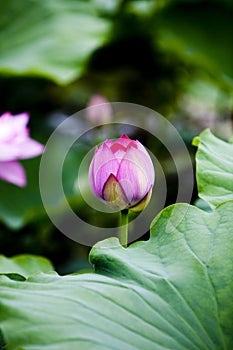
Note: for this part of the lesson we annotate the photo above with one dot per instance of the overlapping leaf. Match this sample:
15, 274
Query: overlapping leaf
214, 161
24, 265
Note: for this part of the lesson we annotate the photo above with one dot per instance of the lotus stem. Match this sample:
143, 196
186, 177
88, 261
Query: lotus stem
123, 229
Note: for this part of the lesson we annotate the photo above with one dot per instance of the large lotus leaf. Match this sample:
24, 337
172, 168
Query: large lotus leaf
171, 292
49, 38
199, 32
214, 161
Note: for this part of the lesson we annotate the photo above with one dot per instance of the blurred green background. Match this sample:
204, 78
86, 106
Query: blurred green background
172, 56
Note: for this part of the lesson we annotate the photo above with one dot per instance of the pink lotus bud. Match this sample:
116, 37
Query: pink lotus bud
122, 174
15, 144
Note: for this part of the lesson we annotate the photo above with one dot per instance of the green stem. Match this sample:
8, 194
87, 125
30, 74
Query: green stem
123, 229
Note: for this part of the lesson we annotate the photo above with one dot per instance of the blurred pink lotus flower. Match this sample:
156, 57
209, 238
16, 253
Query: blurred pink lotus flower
122, 174
100, 110
15, 143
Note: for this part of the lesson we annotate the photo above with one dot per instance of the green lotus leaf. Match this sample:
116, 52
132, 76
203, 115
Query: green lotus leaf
171, 292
